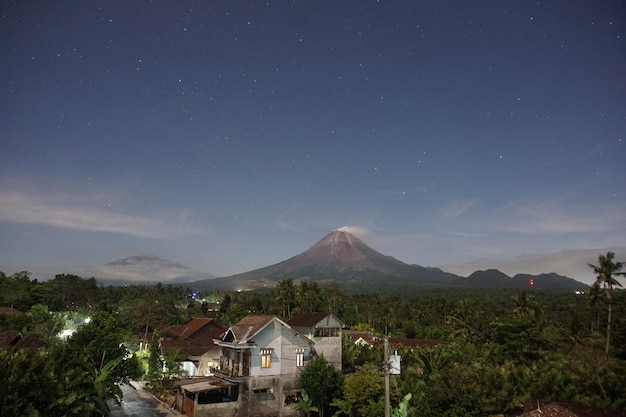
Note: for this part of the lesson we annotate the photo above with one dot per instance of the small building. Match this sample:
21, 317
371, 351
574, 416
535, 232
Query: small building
207, 396
363, 337
195, 343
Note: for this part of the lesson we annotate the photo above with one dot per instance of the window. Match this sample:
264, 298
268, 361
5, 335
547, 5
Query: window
299, 357
326, 332
264, 394
266, 358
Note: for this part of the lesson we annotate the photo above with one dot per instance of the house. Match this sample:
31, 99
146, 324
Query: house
396, 342
538, 408
12, 339
214, 393
261, 358
367, 338
195, 344
362, 337
325, 330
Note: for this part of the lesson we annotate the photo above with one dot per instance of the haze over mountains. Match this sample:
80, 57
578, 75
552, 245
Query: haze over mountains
146, 269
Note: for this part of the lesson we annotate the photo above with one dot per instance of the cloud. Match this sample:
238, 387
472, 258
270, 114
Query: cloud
86, 213
558, 216
359, 231
457, 208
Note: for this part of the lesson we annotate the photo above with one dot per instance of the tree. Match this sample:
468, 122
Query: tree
524, 303
322, 382
285, 294
607, 270
362, 392
98, 343
309, 297
155, 364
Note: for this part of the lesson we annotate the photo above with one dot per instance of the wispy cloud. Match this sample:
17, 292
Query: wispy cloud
558, 216
85, 212
457, 208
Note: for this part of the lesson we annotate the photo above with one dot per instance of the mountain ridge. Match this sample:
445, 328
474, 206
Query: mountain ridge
341, 256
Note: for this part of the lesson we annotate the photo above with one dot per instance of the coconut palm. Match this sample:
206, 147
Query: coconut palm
524, 303
607, 271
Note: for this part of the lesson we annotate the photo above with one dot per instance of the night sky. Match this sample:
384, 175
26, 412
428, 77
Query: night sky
231, 135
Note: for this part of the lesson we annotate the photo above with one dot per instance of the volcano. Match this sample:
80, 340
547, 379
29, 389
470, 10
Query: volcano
339, 256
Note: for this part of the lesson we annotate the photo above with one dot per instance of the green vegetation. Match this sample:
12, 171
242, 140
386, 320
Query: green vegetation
498, 347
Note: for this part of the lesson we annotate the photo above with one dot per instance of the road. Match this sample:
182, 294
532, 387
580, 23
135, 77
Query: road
139, 403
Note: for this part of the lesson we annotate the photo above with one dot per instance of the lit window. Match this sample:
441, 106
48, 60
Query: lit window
299, 357
266, 358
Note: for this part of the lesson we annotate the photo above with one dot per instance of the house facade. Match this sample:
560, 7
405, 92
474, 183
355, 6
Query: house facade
325, 330
195, 343
260, 361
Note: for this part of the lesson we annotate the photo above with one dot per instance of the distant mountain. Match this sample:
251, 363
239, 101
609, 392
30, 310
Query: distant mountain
487, 279
550, 280
492, 278
339, 256
145, 269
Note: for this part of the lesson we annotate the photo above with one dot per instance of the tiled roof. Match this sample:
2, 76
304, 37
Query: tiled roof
247, 327
367, 336
307, 319
550, 410
534, 408
189, 339
402, 341
186, 331
9, 337
370, 338
15, 339
10, 310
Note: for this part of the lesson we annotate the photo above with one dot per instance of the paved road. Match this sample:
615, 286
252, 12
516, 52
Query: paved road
139, 403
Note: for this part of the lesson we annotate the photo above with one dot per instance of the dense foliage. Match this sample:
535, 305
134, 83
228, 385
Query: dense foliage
497, 348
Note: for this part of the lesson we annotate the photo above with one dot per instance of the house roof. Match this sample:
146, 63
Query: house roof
310, 319
10, 310
403, 341
9, 337
534, 408
366, 336
188, 339
187, 330
203, 384
15, 339
371, 339
249, 326
550, 410
210, 385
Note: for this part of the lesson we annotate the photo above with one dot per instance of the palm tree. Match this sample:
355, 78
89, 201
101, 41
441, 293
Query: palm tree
524, 303
607, 270
285, 295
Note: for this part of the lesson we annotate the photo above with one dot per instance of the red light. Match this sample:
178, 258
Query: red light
532, 282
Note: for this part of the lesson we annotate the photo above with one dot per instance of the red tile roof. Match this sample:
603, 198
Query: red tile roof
402, 341
194, 338
15, 339
534, 408
307, 319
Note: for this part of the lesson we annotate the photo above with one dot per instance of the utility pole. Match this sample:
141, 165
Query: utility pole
386, 372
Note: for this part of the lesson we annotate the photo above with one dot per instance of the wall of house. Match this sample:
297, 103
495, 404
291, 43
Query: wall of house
208, 361
283, 343
330, 347
265, 396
